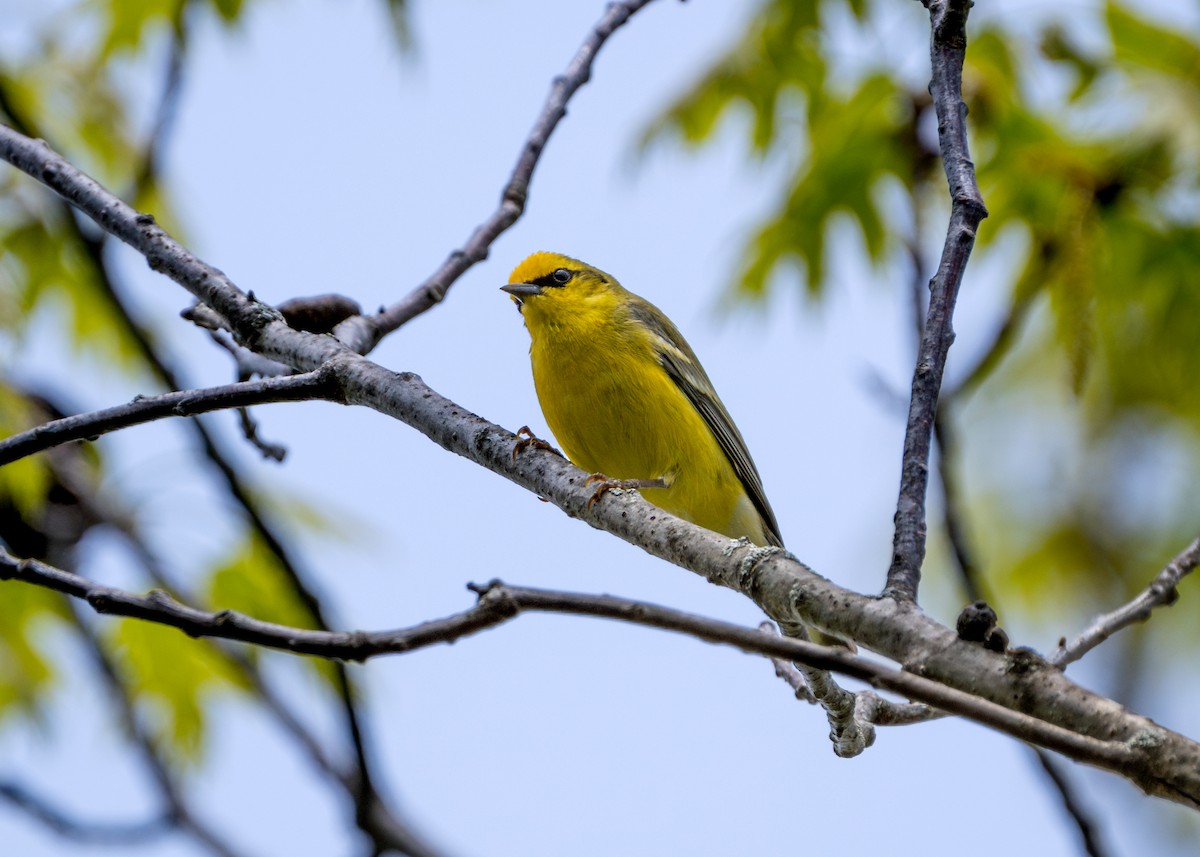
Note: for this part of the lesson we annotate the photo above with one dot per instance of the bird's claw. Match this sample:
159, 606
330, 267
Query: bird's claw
603, 488
526, 439
607, 484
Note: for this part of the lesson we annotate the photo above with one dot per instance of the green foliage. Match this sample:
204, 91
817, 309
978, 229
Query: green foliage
1113, 251
172, 677
1139, 43
856, 142
128, 26
24, 483
47, 268
251, 580
26, 670
74, 90
35, 517
1092, 156
856, 133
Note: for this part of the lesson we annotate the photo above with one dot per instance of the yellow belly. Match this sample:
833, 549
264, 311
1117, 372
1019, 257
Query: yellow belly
633, 422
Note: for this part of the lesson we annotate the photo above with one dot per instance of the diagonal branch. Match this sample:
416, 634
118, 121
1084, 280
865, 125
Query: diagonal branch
1160, 761
947, 49
513, 198
1161, 592
316, 384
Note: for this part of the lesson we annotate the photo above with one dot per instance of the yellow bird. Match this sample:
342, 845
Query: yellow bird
626, 397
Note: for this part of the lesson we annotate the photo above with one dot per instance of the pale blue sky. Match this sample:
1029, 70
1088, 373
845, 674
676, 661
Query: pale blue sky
310, 158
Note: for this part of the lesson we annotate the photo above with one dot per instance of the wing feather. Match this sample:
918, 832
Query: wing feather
682, 366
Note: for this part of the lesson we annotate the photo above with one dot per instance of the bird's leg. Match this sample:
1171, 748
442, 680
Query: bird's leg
526, 439
606, 484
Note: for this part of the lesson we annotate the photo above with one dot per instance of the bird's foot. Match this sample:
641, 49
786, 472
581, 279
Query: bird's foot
526, 439
604, 484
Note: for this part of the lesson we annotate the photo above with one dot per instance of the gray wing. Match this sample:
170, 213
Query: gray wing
684, 369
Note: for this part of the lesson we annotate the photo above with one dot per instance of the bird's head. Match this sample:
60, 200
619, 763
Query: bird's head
551, 281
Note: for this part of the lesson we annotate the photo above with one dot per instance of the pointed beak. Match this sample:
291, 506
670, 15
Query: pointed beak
522, 290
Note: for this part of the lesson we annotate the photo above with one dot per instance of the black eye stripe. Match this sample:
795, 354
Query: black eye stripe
557, 278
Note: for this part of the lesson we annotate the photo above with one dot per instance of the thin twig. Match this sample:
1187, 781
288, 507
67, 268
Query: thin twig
849, 735
1161, 592
787, 671
69, 827
873, 708
143, 409
953, 509
512, 200
947, 48
943, 432
150, 162
274, 451
499, 603
869, 707
1089, 831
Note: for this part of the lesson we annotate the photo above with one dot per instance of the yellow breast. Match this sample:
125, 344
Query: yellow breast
614, 410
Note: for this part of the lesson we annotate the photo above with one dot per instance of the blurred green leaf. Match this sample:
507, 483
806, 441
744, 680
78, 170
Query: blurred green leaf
173, 676
26, 672
126, 24
1139, 42
1056, 45
24, 482
780, 54
251, 581
856, 143
229, 10
48, 270
853, 136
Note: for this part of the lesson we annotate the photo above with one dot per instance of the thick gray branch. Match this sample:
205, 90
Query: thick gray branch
1160, 761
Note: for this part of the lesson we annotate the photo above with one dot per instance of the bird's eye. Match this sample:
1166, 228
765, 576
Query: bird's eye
561, 276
